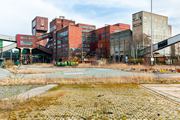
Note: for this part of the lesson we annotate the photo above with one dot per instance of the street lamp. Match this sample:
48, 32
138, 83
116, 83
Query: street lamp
152, 58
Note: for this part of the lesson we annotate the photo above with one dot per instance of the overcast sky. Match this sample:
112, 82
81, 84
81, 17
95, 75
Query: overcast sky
16, 15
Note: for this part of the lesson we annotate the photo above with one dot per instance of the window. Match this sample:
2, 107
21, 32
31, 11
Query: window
34, 23
59, 42
52, 28
62, 34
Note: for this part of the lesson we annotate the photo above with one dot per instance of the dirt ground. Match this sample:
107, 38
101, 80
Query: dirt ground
95, 101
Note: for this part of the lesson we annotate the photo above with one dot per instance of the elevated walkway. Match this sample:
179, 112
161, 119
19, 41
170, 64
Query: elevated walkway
161, 45
9, 47
7, 38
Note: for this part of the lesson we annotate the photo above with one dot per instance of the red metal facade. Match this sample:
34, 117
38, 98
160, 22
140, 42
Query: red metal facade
25, 41
40, 27
59, 23
40, 24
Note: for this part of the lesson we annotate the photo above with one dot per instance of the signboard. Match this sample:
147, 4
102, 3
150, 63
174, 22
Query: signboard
162, 44
25, 41
1, 43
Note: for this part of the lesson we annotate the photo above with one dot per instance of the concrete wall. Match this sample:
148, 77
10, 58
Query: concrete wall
120, 45
142, 30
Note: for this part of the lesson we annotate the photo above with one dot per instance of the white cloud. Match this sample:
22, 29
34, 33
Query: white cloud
168, 8
16, 15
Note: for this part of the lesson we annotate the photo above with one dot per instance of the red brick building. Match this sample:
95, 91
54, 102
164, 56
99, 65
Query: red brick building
56, 25
86, 29
68, 42
70, 39
102, 36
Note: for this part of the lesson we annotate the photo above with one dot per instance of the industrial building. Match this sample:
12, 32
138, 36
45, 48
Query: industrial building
86, 39
67, 40
102, 36
55, 25
161, 30
121, 46
176, 52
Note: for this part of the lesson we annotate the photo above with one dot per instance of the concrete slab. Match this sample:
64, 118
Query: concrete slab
4, 73
171, 91
33, 92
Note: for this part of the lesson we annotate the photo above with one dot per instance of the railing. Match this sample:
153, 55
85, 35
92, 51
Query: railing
8, 38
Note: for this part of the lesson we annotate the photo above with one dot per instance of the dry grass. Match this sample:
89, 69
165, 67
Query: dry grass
34, 71
135, 67
8, 64
16, 70
43, 64
7, 108
92, 80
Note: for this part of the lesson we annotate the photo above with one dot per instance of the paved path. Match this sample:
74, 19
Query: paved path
95, 72
84, 72
4, 73
32, 92
35, 92
171, 91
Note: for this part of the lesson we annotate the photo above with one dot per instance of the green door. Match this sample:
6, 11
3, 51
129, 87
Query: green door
1, 43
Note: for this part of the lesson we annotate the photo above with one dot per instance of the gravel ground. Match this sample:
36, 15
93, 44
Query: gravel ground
8, 91
103, 102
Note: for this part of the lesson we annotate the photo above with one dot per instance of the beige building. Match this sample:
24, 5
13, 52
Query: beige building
120, 45
142, 31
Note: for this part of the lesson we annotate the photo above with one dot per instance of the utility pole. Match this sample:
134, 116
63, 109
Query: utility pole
1, 48
152, 58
